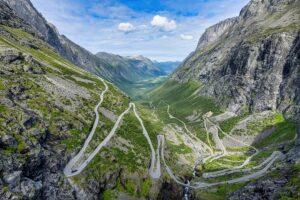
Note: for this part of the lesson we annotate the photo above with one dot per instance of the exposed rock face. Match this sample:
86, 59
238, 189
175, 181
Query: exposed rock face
212, 33
8, 17
251, 60
265, 189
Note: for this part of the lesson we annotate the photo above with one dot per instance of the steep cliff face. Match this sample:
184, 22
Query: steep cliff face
212, 33
251, 60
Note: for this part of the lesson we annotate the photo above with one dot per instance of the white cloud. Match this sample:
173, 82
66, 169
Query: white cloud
164, 23
186, 37
126, 27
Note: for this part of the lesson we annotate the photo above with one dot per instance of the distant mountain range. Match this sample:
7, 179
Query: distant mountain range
131, 69
168, 66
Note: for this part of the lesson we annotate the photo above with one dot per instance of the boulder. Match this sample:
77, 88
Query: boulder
13, 179
9, 56
8, 140
30, 188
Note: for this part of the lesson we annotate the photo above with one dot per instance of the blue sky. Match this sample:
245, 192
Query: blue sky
165, 30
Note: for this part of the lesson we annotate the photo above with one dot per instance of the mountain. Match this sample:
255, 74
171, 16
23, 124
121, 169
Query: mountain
251, 60
66, 133
102, 64
66, 48
168, 66
134, 75
133, 68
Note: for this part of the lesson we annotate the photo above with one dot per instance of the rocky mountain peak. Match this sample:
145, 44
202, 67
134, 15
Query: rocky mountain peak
212, 33
26, 11
262, 7
139, 57
255, 8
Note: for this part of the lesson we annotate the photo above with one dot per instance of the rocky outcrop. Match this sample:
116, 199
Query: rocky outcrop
213, 33
250, 61
29, 164
9, 18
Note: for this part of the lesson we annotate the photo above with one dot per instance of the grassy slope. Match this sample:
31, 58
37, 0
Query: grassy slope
183, 101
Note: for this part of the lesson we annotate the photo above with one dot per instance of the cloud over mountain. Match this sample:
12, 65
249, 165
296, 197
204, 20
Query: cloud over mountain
163, 23
126, 27
186, 37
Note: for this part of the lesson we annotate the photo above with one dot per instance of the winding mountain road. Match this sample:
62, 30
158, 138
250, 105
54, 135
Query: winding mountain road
68, 169
77, 164
71, 169
197, 185
237, 169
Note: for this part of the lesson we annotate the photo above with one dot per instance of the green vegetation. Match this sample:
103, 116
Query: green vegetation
137, 90
21, 143
2, 108
109, 195
135, 189
75, 141
219, 192
229, 124
258, 126
270, 31
184, 101
180, 149
146, 185
182, 98
2, 86
130, 187
284, 131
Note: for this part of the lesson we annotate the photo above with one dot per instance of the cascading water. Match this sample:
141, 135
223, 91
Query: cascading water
186, 191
